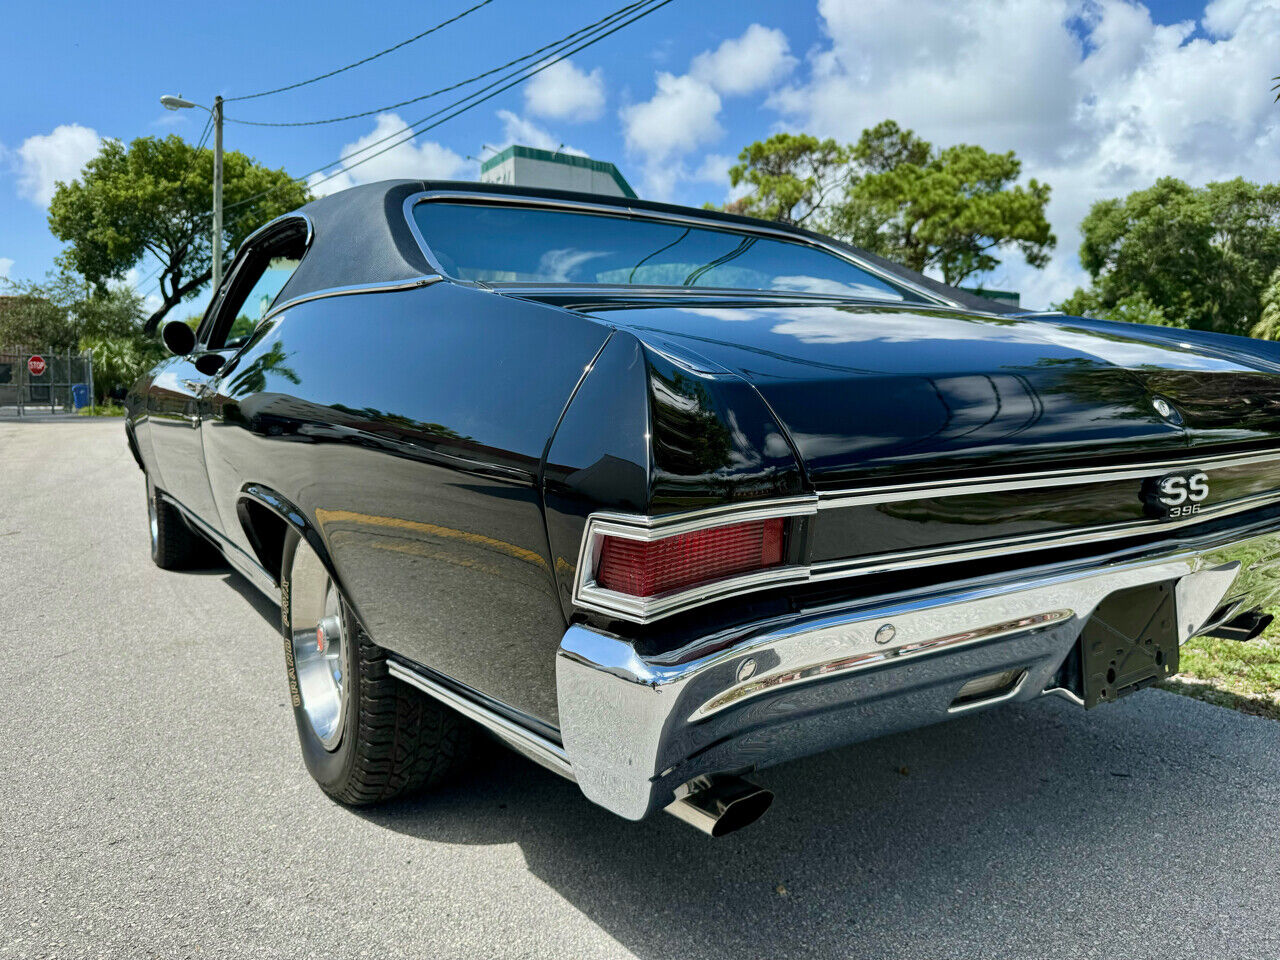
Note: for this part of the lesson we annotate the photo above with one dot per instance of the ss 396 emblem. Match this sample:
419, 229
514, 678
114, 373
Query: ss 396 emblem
1177, 495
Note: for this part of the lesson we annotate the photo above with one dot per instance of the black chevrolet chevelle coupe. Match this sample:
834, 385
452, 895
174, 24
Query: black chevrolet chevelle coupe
662, 496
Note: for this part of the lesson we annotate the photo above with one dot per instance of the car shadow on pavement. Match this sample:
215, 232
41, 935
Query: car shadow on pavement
265, 608
1035, 830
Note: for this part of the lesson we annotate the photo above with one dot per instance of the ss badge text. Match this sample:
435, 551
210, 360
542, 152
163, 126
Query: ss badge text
1178, 494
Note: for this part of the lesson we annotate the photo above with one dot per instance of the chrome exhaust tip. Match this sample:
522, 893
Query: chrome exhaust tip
1244, 627
718, 805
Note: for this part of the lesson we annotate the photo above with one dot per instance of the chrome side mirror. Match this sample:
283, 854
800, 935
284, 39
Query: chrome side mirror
178, 338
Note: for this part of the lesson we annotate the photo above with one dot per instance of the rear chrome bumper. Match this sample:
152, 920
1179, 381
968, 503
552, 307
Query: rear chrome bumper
634, 728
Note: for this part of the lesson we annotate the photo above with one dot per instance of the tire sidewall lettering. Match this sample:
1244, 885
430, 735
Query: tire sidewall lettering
287, 633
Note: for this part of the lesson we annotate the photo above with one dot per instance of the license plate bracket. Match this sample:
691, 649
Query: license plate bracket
1129, 642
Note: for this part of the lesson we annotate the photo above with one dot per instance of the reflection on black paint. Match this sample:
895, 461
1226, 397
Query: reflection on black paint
253, 378
689, 438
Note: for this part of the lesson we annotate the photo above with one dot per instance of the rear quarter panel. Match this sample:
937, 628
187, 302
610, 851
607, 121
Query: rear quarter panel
409, 428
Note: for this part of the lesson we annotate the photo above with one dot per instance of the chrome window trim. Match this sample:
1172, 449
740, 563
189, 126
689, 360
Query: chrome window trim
591, 596
351, 289
932, 489
271, 224
624, 211
215, 301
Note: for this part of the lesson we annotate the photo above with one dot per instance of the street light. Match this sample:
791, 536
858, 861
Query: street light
170, 102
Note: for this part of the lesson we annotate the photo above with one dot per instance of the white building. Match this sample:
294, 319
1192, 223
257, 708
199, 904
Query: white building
529, 167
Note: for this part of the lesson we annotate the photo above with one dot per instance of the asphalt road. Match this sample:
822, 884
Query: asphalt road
153, 803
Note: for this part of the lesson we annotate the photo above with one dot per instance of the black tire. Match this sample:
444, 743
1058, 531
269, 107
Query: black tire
174, 545
393, 738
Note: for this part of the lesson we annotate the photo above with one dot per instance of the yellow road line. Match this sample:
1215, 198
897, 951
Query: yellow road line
325, 517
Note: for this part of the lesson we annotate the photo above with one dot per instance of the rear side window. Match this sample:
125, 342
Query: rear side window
511, 244
254, 287
260, 297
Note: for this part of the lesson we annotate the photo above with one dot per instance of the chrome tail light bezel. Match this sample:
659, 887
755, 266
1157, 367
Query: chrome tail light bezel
590, 595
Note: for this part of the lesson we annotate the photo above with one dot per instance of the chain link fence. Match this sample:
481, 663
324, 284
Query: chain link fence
44, 382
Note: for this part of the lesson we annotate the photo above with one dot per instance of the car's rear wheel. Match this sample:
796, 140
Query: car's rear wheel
174, 545
365, 736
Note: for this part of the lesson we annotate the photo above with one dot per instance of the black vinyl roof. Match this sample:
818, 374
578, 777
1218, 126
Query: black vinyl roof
362, 236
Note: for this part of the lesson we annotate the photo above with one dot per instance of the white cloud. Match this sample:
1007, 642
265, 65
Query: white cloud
683, 113
425, 160
563, 92
758, 58
714, 168
5, 266
46, 159
680, 116
517, 129
1099, 117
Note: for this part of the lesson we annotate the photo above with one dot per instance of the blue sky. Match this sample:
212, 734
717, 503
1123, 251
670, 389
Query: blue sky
1097, 96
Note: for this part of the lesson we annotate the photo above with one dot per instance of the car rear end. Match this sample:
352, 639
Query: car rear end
732, 608
797, 501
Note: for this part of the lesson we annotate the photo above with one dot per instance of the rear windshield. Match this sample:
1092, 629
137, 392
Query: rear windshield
510, 244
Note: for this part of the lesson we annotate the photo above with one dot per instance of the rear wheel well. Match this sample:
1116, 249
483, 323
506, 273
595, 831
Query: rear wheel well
266, 533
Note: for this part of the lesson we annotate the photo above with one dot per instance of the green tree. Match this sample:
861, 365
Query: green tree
951, 210
1268, 325
892, 193
154, 197
790, 175
67, 313
1132, 309
118, 362
1201, 255
31, 317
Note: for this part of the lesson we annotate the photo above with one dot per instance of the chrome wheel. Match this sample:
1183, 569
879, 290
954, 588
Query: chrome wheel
319, 647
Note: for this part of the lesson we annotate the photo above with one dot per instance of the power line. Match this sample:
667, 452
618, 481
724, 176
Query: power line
436, 93
137, 284
204, 135
417, 127
375, 56
195, 154
520, 76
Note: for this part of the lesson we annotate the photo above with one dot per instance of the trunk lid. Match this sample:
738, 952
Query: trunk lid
867, 391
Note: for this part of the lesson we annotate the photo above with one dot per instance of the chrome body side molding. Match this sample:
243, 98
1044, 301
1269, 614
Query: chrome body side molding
634, 727
590, 596
244, 564
353, 289
521, 739
932, 489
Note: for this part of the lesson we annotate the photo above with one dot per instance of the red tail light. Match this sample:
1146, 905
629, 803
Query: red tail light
648, 568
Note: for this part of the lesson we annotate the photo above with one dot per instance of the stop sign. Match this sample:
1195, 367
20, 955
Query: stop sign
36, 366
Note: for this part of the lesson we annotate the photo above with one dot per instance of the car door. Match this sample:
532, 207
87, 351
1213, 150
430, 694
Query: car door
262, 269
179, 393
173, 404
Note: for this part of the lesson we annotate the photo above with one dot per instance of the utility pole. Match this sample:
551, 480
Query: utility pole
217, 193
170, 102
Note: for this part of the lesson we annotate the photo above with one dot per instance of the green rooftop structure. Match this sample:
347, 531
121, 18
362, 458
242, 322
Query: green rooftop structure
1011, 297
530, 167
